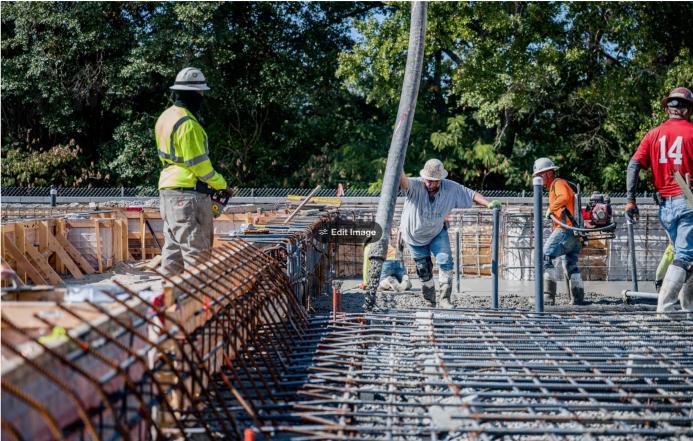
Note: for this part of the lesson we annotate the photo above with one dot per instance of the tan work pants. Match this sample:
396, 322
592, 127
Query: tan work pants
188, 228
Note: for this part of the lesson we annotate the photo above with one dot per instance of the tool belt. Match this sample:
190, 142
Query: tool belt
200, 187
660, 200
203, 188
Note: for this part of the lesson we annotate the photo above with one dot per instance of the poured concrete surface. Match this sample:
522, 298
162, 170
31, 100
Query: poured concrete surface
476, 293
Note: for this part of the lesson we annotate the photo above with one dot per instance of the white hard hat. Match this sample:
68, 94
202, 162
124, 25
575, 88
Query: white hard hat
190, 78
433, 170
543, 164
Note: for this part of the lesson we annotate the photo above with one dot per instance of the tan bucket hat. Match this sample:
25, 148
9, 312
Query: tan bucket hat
433, 170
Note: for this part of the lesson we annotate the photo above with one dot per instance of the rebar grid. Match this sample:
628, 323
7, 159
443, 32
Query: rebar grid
478, 374
151, 373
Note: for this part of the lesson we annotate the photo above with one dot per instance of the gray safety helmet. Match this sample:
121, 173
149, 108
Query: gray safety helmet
543, 164
190, 78
433, 170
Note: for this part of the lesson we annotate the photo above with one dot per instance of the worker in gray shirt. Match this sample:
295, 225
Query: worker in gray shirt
428, 200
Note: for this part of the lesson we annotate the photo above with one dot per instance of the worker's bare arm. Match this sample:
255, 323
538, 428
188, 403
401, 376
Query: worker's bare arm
479, 199
403, 181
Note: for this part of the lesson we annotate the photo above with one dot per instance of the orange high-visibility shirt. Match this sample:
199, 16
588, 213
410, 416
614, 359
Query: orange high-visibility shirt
561, 196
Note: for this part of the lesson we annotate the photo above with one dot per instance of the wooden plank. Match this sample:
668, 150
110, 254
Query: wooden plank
117, 240
151, 214
138, 235
99, 257
22, 314
59, 228
41, 262
22, 263
34, 294
143, 237
84, 223
19, 242
124, 239
43, 238
54, 245
75, 255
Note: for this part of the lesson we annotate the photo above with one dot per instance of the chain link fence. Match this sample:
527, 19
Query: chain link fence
135, 192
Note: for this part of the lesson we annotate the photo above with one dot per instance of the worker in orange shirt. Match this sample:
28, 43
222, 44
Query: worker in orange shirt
562, 241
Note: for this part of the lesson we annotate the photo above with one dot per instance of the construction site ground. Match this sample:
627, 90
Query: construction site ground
476, 293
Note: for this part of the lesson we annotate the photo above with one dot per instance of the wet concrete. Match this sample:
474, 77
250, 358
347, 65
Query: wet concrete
476, 293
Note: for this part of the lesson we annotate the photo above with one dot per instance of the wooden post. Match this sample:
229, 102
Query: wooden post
99, 257
19, 241
116, 226
124, 238
59, 231
143, 236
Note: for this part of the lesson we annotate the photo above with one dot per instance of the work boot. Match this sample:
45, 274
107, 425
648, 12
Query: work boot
445, 281
686, 298
388, 284
404, 285
428, 288
669, 293
577, 289
550, 276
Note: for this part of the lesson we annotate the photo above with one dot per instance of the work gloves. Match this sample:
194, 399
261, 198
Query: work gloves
548, 213
632, 212
494, 204
230, 191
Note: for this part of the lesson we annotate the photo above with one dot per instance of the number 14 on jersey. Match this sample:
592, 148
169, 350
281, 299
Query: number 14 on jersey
674, 151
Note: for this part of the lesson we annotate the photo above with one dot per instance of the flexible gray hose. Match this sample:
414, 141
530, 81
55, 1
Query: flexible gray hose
400, 139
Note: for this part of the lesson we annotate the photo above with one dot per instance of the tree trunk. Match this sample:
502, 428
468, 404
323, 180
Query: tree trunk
400, 139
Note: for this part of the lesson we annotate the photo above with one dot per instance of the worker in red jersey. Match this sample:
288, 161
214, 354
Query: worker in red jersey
668, 150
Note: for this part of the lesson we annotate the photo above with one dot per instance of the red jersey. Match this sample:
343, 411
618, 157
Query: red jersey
667, 148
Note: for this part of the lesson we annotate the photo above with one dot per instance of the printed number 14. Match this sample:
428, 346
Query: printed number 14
674, 150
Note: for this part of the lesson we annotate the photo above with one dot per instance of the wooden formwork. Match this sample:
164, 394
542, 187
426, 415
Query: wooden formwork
44, 251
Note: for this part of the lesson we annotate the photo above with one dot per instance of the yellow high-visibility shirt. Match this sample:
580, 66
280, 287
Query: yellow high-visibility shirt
184, 151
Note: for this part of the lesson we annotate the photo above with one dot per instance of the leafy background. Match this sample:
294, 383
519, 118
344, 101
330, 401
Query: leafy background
307, 92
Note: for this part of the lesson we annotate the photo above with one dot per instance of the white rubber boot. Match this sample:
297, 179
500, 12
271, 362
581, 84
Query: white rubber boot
550, 282
686, 298
428, 288
388, 284
404, 285
577, 289
445, 281
669, 293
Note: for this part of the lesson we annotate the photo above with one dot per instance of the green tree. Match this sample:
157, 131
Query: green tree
508, 82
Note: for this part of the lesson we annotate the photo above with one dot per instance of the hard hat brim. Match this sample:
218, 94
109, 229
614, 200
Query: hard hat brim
682, 97
198, 88
545, 169
423, 174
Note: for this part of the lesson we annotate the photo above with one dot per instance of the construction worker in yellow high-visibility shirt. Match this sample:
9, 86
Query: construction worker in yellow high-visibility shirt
188, 178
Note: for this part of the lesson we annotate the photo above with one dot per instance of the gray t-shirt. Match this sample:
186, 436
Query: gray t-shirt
423, 220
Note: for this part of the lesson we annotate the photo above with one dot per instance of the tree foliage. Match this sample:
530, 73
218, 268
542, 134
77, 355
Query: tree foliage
306, 92
508, 82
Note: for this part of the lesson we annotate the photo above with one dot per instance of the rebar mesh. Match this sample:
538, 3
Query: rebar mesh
477, 374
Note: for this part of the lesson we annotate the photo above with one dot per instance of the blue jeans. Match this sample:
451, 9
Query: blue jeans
562, 243
677, 220
439, 248
393, 268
